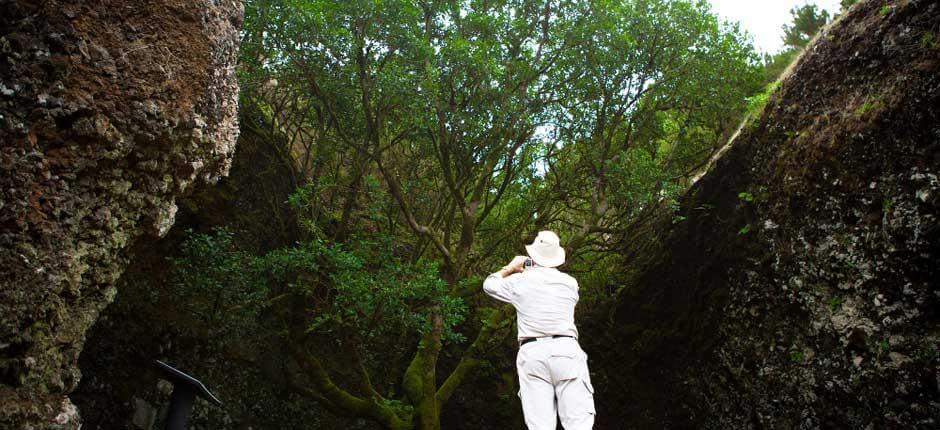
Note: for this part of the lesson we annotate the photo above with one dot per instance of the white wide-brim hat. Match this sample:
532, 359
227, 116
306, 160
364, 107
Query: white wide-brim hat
546, 250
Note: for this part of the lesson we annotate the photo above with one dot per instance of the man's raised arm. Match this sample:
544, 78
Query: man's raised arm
499, 285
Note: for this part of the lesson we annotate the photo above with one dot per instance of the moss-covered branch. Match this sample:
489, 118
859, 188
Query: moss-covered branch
494, 328
341, 401
420, 381
358, 366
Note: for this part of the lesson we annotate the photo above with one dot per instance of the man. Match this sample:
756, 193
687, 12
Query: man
551, 364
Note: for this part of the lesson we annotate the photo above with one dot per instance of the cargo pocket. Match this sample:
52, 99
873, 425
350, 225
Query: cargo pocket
565, 366
586, 400
587, 384
590, 389
585, 379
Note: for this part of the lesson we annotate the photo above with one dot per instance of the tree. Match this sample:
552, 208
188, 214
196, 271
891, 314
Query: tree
640, 120
433, 138
807, 20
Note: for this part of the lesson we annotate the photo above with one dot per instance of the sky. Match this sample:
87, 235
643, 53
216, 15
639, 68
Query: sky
763, 19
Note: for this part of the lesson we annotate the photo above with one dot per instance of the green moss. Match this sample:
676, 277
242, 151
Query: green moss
835, 303
758, 102
411, 382
869, 106
887, 205
883, 347
929, 40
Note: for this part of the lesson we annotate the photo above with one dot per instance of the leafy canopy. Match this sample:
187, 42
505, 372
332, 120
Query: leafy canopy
430, 140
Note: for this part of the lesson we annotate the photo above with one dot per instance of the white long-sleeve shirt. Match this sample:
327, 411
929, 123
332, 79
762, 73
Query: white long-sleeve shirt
544, 299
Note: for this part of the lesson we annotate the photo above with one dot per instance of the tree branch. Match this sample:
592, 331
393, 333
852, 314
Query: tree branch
493, 329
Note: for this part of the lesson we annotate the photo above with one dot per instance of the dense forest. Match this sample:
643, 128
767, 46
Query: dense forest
426, 144
391, 154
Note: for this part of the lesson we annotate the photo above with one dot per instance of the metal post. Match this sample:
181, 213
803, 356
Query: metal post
181, 402
185, 390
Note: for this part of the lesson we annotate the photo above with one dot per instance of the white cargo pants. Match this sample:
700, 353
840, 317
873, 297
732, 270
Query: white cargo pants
554, 381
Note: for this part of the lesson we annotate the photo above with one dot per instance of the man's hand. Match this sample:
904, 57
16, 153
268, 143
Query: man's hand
514, 266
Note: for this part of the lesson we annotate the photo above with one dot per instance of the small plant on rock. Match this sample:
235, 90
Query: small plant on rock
835, 303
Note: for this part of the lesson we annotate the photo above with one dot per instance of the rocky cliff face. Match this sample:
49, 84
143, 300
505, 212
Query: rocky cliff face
146, 321
108, 111
797, 286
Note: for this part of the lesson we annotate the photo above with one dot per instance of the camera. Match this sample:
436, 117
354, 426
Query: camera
528, 263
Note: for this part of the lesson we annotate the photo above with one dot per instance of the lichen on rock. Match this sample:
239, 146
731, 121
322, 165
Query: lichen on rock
108, 111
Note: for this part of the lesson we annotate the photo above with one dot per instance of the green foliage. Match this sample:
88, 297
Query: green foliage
360, 286
745, 230
365, 288
746, 197
216, 285
643, 124
868, 106
835, 303
864, 108
880, 348
756, 103
401, 409
776, 64
887, 204
883, 347
885, 9
845, 4
929, 40
797, 356
433, 139
807, 20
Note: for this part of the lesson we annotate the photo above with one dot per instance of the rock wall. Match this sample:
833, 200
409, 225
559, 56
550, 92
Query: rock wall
797, 285
108, 111
146, 321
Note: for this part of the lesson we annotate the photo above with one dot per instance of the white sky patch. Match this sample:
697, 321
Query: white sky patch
764, 19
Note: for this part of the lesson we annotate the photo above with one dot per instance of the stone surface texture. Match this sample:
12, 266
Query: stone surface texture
797, 287
109, 110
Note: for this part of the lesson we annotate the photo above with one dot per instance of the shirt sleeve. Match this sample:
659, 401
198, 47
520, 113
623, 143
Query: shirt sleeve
500, 288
